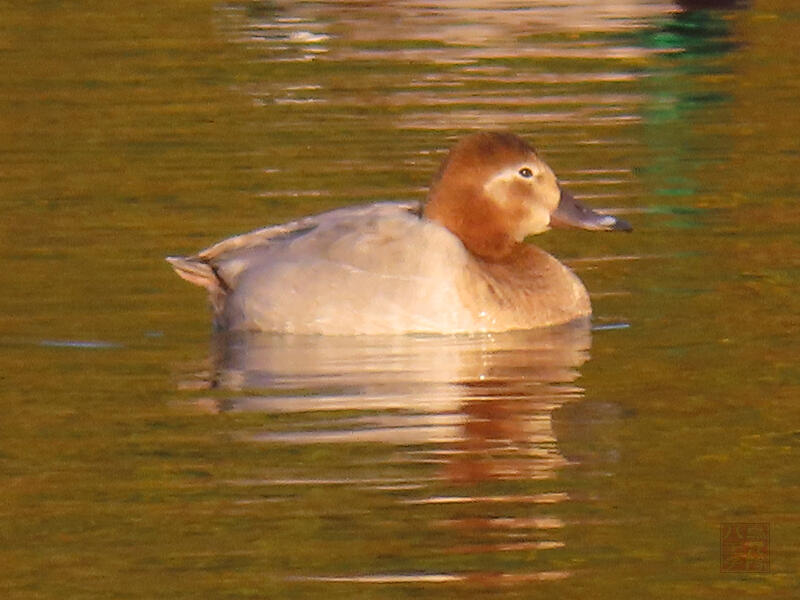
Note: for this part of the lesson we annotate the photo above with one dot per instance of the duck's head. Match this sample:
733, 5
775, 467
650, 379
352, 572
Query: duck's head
493, 190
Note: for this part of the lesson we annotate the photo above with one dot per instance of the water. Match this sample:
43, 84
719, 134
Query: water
143, 457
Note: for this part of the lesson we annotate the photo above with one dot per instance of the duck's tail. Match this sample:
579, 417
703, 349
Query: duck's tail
199, 272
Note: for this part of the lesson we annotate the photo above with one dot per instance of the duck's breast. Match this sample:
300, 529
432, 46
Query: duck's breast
531, 289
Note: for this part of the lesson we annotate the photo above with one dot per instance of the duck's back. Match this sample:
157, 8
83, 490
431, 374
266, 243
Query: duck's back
374, 269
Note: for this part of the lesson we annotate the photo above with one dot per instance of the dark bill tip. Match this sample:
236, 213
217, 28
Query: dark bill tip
571, 213
622, 225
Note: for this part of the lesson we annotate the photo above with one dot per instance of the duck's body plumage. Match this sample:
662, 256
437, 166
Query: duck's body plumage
400, 267
380, 268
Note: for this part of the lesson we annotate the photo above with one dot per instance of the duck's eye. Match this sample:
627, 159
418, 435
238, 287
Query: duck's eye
526, 172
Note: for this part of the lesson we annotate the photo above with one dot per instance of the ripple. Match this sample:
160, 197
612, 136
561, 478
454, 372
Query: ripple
546, 498
477, 578
80, 344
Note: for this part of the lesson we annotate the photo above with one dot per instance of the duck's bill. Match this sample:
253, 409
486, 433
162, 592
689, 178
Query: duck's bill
571, 213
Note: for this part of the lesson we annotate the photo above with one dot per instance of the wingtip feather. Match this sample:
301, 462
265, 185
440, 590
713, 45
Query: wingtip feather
194, 271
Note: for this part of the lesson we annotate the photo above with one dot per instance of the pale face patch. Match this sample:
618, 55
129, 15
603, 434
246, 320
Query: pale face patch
527, 193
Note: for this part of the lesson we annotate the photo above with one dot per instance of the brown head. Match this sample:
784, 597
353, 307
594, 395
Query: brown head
493, 190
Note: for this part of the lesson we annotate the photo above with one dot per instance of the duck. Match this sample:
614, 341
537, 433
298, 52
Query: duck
457, 263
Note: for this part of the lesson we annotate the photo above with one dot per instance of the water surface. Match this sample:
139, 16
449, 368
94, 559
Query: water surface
142, 456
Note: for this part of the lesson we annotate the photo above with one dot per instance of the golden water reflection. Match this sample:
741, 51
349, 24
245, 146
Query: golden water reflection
134, 131
457, 64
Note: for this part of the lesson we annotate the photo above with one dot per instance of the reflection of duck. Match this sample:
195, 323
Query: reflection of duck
438, 414
457, 265
480, 390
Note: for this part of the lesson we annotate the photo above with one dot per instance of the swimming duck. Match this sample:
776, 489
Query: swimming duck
455, 264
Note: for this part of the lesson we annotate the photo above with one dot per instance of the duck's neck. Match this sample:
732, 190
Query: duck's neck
476, 221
